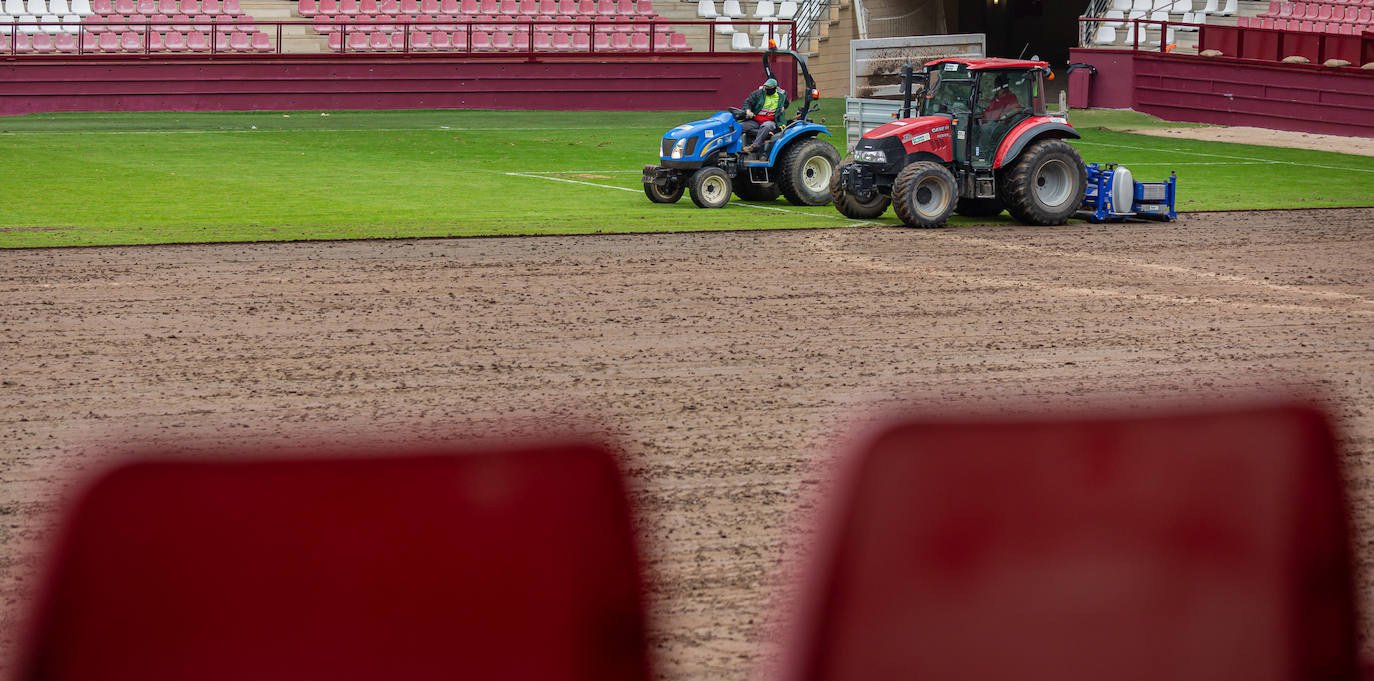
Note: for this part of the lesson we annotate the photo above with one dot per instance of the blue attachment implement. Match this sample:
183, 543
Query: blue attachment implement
1113, 194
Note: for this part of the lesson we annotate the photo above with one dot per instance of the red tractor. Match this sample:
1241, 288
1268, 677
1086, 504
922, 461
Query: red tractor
982, 142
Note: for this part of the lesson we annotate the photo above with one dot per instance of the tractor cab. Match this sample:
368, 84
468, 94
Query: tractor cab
984, 104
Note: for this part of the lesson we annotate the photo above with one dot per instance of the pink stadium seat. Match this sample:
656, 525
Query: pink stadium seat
1286, 10
240, 42
124, 7
221, 41
129, 41
334, 41
231, 7
420, 40
368, 8
410, 8
377, 40
329, 8
23, 42
197, 42
429, 7
90, 42
42, 43
357, 41
175, 41
308, 8
348, 9
508, 8
443, 40
454, 8
481, 41
108, 42
561, 41
644, 9
517, 565
1205, 546
581, 42
639, 42
528, 8
147, 7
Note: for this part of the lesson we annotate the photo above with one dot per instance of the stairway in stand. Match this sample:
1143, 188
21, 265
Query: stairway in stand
300, 38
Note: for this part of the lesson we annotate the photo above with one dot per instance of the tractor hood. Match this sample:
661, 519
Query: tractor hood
908, 129
698, 138
887, 144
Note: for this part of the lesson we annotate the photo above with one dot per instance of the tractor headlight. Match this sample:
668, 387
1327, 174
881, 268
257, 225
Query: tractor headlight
677, 148
871, 156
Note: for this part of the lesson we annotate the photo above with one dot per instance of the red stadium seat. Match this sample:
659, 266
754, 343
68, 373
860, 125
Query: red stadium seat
410, 8
1206, 546
197, 42
515, 565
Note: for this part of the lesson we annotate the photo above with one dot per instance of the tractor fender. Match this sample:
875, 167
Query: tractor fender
919, 156
792, 134
1028, 131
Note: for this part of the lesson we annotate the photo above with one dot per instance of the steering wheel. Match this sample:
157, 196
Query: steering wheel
737, 112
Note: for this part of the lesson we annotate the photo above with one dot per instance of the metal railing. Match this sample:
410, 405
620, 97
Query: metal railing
466, 35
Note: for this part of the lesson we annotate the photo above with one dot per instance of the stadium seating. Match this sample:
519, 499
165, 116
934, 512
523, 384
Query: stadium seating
457, 564
495, 25
1206, 546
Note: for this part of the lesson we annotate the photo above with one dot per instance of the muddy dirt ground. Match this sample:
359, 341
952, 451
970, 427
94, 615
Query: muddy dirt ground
726, 365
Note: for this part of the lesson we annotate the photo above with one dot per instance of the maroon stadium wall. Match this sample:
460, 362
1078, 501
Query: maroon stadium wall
637, 83
1306, 98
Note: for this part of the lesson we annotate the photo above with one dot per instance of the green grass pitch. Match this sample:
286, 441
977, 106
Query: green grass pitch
142, 178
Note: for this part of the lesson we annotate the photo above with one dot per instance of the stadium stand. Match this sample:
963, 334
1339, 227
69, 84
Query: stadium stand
515, 564
1278, 30
1202, 546
201, 27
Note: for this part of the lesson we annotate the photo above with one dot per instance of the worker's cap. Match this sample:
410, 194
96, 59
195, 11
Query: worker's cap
771, 82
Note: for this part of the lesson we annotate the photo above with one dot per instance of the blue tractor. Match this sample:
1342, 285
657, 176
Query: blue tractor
707, 159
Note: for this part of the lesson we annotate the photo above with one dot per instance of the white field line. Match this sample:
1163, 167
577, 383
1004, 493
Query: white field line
732, 203
873, 263
1240, 158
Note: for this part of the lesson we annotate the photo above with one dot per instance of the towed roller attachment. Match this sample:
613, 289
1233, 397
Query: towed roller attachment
1113, 194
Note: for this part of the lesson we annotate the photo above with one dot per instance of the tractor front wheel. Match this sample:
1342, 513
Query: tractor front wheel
710, 187
668, 194
1045, 186
924, 194
805, 172
850, 205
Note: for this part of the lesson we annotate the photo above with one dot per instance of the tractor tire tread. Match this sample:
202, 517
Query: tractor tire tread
792, 167
848, 204
902, 188
1014, 186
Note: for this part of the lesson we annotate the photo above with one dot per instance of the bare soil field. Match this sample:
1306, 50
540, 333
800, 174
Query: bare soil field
726, 365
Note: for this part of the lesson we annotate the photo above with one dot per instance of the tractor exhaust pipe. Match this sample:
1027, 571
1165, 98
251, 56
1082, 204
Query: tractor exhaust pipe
906, 90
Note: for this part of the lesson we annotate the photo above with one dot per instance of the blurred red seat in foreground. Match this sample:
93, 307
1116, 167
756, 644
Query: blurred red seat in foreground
1206, 546
511, 565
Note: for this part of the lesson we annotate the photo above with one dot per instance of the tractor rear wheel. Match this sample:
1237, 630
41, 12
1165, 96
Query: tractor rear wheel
710, 187
668, 194
1045, 185
850, 205
753, 191
805, 171
978, 208
924, 194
